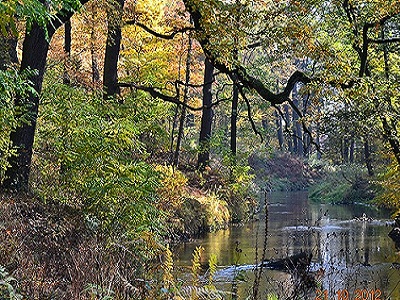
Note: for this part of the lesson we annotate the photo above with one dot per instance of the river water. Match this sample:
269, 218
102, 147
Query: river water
352, 255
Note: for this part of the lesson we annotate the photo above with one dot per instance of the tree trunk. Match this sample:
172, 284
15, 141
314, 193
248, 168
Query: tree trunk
34, 54
35, 48
93, 41
297, 131
279, 130
345, 150
185, 100
206, 117
351, 151
368, 158
95, 64
234, 114
287, 121
110, 76
67, 50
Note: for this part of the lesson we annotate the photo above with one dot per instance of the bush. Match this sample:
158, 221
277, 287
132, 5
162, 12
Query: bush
12, 84
90, 155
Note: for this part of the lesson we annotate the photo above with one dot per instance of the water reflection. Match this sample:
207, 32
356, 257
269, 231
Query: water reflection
355, 254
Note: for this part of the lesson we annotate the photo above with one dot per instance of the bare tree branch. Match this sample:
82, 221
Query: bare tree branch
155, 93
169, 36
385, 41
253, 125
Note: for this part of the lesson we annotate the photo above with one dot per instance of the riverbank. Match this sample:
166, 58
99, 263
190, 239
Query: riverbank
284, 172
64, 251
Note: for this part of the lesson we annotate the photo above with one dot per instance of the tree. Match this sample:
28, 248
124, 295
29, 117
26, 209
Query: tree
34, 53
206, 117
110, 75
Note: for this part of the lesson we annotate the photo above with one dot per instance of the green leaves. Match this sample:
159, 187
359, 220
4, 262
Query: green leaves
12, 84
91, 155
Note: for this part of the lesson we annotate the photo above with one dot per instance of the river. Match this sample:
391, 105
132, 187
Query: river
352, 255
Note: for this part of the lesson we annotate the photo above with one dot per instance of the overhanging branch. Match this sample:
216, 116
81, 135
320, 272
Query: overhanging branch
253, 125
155, 93
385, 41
169, 36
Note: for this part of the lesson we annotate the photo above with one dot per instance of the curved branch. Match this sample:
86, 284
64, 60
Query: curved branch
169, 36
155, 93
253, 125
240, 72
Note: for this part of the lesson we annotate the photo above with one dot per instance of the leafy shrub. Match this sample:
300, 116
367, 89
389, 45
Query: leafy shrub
389, 180
342, 185
12, 83
172, 188
90, 155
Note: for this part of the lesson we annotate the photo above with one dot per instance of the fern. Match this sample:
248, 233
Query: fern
168, 267
196, 265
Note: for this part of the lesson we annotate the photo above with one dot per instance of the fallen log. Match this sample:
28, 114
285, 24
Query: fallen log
297, 262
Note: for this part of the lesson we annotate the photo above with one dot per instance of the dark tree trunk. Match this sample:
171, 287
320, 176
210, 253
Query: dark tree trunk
318, 142
95, 65
345, 150
35, 48
297, 131
306, 144
351, 151
34, 54
206, 117
67, 50
110, 76
234, 114
368, 158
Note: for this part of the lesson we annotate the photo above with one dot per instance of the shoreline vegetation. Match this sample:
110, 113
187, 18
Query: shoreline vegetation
57, 250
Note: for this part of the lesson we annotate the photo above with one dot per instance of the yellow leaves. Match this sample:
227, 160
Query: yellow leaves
196, 266
173, 187
168, 268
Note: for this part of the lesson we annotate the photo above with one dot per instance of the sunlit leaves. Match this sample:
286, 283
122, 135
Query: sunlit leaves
31, 11
91, 155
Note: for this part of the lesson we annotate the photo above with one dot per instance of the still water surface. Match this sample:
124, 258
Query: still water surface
349, 243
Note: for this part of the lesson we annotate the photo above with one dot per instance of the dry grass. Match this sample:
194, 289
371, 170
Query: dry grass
48, 249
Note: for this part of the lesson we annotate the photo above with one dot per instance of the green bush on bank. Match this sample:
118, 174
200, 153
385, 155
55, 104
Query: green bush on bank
89, 154
343, 184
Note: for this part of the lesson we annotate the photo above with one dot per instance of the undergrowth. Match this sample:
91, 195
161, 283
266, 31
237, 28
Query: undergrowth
343, 184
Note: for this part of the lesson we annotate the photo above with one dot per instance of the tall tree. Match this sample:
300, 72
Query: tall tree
114, 36
67, 50
34, 53
206, 117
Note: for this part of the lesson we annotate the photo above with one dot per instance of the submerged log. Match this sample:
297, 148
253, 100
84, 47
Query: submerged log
297, 262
